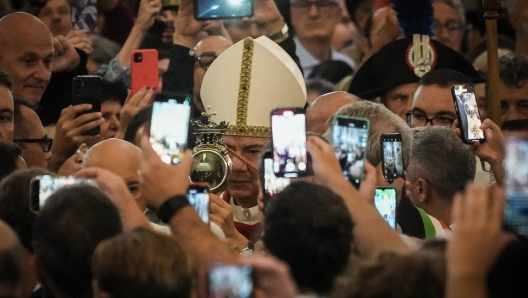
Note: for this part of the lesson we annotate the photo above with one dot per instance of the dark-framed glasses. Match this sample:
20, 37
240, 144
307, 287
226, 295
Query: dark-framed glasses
44, 142
306, 5
206, 59
415, 119
450, 26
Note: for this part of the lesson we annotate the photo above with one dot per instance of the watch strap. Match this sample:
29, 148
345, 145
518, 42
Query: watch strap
279, 35
171, 206
249, 249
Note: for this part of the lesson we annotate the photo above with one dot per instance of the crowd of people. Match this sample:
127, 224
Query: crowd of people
132, 231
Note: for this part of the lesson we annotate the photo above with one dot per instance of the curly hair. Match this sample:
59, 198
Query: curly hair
513, 70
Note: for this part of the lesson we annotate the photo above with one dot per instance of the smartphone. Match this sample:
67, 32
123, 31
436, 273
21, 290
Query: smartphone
230, 281
41, 187
169, 127
350, 140
84, 15
144, 69
88, 89
222, 9
392, 160
288, 136
198, 196
272, 184
468, 113
516, 184
385, 201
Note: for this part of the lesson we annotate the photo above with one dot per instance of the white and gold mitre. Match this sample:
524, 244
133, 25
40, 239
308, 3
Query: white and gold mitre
247, 81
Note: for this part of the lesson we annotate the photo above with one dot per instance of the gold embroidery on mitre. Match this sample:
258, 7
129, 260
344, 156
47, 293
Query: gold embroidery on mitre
241, 128
249, 131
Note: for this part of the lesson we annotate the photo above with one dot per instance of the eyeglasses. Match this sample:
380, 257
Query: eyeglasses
45, 142
306, 5
415, 119
206, 59
450, 26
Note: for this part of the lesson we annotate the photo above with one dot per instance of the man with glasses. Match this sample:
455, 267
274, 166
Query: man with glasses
30, 135
205, 53
433, 102
314, 23
433, 106
449, 22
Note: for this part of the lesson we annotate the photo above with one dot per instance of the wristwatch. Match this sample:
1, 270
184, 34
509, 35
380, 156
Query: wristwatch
171, 206
281, 35
249, 249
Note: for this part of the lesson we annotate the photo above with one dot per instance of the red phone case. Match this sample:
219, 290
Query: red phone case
145, 72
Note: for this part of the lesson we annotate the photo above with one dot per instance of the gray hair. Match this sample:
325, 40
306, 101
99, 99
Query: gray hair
458, 7
104, 49
439, 156
382, 121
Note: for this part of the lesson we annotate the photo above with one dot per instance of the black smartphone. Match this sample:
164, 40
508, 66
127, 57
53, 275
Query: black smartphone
88, 89
272, 184
350, 140
288, 132
230, 281
198, 196
169, 128
392, 158
468, 113
41, 187
222, 9
385, 201
516, 184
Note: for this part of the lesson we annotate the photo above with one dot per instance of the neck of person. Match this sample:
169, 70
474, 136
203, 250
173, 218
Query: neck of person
320, 48
440, 209
247, 203
30, 278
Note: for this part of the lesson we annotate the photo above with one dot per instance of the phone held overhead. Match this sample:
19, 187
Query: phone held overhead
350, 140
88, 90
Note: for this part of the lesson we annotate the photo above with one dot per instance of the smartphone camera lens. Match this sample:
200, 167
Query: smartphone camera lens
138, 57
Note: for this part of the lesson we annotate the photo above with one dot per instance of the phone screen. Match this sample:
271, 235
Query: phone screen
272, 184
169, 129
392, 157
385, 201
199, 198
516, 184
44, 186
289, 142
222, 9
468, 112
230, 281
350, 139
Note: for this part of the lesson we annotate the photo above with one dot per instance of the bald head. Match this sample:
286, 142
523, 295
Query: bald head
121, 158
214, 43
27, 52
110, 153
323, 107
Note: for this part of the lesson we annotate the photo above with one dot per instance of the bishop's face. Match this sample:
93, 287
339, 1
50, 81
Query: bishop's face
243, 186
